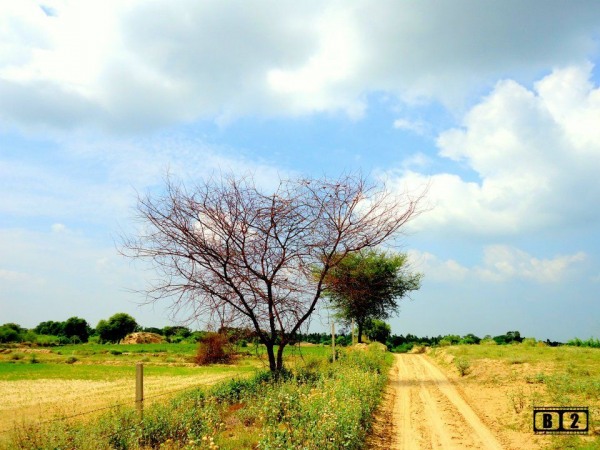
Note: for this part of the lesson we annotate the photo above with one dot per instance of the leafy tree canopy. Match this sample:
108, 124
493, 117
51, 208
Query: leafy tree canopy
116, 327
377, 330
368, 285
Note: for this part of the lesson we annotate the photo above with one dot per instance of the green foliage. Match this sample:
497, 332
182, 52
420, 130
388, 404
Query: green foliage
591, 342
75, 327
508, 338
470, 339
116, 327
50, 328
318, 406
377, 330
462, 364
368, 284
9, 334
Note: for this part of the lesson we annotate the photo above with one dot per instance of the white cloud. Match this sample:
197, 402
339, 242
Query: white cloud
536, 154
435, 269
13, 276
417, 127
137, 65
59, 228
501, 263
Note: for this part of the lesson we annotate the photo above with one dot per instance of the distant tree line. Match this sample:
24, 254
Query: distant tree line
76, 330
115, 328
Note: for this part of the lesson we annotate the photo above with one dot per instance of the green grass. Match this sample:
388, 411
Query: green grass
14, 372
318, 405
114, 361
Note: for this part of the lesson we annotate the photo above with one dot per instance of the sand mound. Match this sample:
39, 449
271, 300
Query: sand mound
142, 338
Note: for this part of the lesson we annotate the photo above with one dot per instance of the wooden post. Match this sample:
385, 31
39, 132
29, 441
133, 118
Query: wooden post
139, 389
333, 341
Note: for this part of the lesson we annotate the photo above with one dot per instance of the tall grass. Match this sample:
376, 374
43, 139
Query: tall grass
318, 405
591, 342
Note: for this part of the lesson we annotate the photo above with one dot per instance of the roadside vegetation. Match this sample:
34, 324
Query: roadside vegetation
315, 404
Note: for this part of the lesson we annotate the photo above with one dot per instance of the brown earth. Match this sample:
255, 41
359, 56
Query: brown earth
142, 338
423, 410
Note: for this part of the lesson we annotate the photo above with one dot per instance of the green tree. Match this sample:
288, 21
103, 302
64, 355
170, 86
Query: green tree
368, 285
76, 327
50, 328
377, 330
116, 327
10, 333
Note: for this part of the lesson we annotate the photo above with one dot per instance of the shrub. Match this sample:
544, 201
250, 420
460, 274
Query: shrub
213, 348
71, 360
404, 348
462, 365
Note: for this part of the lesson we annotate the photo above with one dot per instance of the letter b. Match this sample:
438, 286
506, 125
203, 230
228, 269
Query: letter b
547, 421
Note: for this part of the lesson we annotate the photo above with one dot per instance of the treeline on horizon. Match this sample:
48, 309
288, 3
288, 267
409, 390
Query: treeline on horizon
76, 330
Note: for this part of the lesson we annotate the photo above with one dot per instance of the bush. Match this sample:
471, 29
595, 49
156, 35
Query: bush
71, 360
529, 342
213, 348
462, 365
404, 348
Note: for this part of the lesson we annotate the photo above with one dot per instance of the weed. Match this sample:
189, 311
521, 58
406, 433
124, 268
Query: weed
214, 348
71, 360
462, 365
517, 399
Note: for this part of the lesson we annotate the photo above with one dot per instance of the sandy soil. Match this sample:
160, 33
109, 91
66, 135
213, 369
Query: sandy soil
425, 411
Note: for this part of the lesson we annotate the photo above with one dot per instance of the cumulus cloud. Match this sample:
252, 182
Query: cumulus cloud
536, 154
139, 65
435, 269
504, 262
500, 263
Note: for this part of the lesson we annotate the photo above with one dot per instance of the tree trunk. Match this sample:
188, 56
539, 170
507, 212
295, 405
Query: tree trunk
271, 354
360, 331
280, 357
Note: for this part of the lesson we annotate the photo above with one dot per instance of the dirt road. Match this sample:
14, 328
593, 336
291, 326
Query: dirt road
429, 413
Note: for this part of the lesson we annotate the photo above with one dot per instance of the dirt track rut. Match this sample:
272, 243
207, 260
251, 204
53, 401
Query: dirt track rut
429, 413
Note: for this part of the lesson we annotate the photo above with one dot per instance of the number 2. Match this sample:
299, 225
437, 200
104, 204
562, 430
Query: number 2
575, 418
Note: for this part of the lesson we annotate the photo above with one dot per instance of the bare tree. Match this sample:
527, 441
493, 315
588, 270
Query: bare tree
231, 253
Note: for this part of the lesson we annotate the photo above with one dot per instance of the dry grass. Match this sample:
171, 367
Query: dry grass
39, 400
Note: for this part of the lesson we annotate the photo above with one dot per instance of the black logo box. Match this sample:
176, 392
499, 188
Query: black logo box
561, 419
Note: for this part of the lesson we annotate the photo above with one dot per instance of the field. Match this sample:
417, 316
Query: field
476, 396
503, 383
247, 407
38, 385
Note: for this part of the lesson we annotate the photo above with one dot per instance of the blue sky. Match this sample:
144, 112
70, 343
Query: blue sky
495, 106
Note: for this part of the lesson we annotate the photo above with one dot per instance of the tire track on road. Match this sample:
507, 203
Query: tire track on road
429, 413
